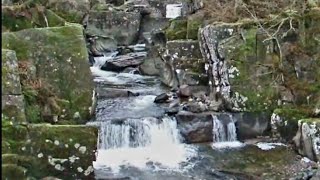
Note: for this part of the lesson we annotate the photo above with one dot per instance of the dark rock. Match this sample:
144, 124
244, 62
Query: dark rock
133, 94
161, 98
184, 91
131, 70
172, 111
251, 125
195, 107
118, 25
119, 63
195, 128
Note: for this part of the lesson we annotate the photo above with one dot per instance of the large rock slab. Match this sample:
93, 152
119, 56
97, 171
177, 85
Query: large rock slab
10, 74
251, 125
62, 151
63, 81
121, 62
120, 25
195, 128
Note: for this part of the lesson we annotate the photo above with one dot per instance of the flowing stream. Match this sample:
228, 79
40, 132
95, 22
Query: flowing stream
137, 141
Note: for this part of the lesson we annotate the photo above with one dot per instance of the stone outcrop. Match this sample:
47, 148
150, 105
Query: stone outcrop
38, 151
12, 104
119, 25
54, 72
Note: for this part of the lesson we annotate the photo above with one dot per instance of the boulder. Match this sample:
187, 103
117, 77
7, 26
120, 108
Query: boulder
251, 125
185, 91
15, 18
119, 25
43, 150
152, 64
195, 127
162, 98
119, 63
62, 85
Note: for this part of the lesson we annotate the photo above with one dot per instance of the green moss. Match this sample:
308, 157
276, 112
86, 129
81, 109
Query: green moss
290, 117
15, 18
60, 57
260, 92
12, 171
183, 29
32, 147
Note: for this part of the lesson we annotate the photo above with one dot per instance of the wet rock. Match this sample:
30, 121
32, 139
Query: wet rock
185, 91
131, 70
119, 63
119, 25
162, 98
194, 127
172, 111
251, 125
99, 45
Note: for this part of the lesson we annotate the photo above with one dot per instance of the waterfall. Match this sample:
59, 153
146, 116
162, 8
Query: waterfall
224, 135
218, 130
136, 142
138, 133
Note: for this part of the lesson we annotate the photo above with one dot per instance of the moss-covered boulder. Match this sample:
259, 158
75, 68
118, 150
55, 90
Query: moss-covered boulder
12, 99
183, 29
10, 74
63, 151
60, 85
18, 17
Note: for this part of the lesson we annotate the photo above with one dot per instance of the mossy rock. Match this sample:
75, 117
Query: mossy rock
10, 75
183, 29
12, 171
289, 124
18, 17
50, 150
61, 60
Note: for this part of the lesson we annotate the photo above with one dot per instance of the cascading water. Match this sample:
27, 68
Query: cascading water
224, 136
136, 142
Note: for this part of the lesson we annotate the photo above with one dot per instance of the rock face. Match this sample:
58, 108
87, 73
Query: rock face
307, 140
62, 84
43, 150
251, 125
12, 99
119, 25
184, 64
210, 38
195, 128
15, 18
198, 127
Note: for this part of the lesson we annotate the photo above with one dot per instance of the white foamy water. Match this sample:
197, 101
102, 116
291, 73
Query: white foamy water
224, 136
268, 146
222, 133
140, 142
112, 77
227, 145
